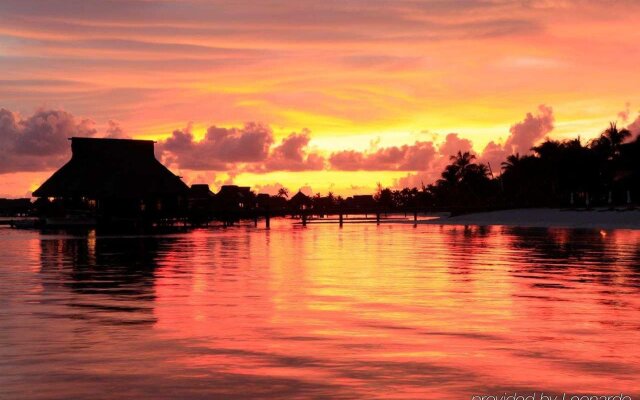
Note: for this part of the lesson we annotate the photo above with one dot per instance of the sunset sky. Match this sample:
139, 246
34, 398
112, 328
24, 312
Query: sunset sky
322, 95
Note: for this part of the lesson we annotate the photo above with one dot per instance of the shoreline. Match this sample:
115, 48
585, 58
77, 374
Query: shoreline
547, 218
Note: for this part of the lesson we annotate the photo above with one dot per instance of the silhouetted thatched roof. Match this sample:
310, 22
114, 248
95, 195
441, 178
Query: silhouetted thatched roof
112, 168
300, 199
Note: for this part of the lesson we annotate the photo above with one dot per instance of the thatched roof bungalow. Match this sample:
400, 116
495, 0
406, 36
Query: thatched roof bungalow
115, 176
300, 201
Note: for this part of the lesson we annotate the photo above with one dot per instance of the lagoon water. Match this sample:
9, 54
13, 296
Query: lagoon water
366, 311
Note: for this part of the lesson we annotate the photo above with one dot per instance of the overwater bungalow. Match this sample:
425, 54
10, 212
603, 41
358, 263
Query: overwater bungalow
233, 198
233, 203
201, 203
299, 202
112, 181
362, 202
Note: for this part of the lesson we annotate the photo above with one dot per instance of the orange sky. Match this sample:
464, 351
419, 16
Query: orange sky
358, 75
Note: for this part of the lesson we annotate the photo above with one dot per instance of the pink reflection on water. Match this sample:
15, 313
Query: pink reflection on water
398, 312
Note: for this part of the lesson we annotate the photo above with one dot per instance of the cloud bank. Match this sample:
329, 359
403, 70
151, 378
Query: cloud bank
522, 136
247, 149
38, 142
413, 157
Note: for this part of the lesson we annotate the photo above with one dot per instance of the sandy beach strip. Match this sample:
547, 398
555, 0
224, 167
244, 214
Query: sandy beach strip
546, 218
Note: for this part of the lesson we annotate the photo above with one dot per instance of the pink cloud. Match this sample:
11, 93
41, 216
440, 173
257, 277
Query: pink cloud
634, 127
218, 148
417, 180
494, 154
247, 149
523, 136
292, 155
417, 156
270, 188
624, 114
38, 142
431, 171
453, 144
115, 131
526, 133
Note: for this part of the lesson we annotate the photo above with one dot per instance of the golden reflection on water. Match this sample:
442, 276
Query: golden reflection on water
365, 311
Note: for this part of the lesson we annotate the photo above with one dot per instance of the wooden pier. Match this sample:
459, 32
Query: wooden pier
341, 217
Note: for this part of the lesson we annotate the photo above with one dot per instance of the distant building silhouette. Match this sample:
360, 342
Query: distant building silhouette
299, 202
361, 202
201, 203
114, 178
15, 207
234, 198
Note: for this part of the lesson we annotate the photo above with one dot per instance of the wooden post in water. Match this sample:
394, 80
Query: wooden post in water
340, 219
571, 201
267, 219
304, 218
378, 218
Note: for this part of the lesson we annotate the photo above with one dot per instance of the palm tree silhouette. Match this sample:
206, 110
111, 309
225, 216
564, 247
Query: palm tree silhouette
283, 192
331, 198
616, 136
512, 162
609, 142
462, 162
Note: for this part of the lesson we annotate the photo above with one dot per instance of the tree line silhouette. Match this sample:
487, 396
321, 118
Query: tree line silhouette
604, 171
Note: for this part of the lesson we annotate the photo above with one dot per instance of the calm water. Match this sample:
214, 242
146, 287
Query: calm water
366, 311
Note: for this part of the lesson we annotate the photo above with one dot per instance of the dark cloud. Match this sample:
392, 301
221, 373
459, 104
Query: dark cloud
38, 142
